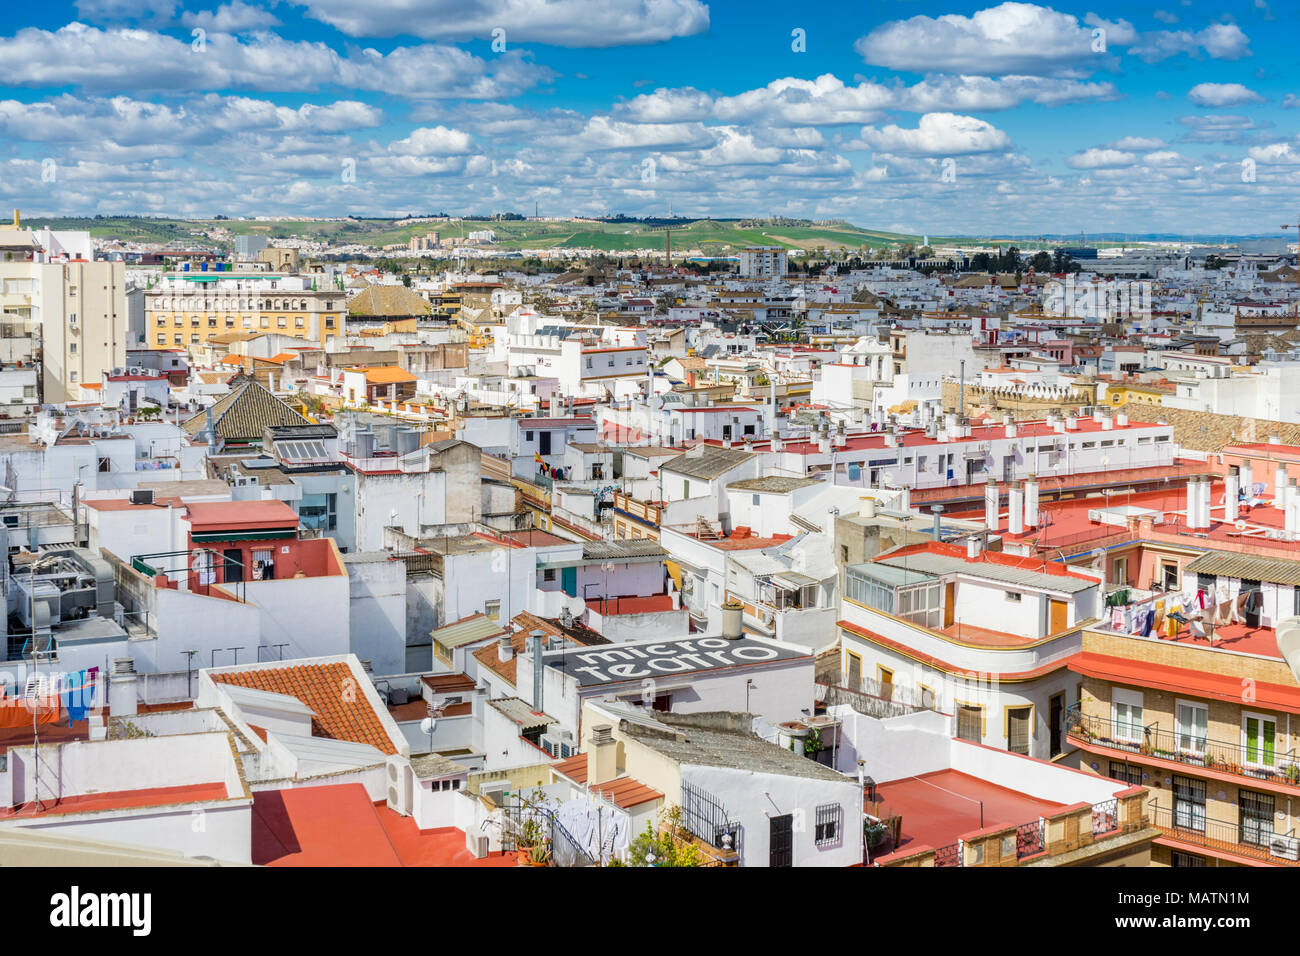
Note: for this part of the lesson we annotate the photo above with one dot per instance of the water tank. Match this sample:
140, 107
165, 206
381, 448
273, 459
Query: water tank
364, 439
405, 440
731, 615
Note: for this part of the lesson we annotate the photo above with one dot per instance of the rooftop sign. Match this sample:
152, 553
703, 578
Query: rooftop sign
610, 664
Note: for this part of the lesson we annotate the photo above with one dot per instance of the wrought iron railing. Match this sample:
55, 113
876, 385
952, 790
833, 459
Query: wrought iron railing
565, 848
1253, 839
1260, 761
1105, 817
704, 815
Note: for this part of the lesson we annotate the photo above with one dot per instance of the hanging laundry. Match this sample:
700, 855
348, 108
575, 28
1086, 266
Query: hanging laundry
73, 697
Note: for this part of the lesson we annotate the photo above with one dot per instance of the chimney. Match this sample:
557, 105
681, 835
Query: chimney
505, 650
1280, 477
1107, 423
122, 699
1247, 478
1097, 415
1009, 427
1015, 509
938, 527
1194, 492
602, 755
1289, 516
1031, 504
991, 496
868, 508
1275, 439
1071, 423
1230, 495
777, 444
904, 503
973, 547
536, 639
1121, 419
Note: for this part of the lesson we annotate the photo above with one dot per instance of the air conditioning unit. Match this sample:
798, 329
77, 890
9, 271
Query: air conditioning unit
477, 844
558, 746
1284, 847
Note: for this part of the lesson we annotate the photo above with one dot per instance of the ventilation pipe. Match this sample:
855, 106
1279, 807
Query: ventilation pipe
904, 502
868, 508
1071, 423
1015, 509
938, 519
1107, 423
973, 548
1031, 504
535, 639
1279, 486
1230, 495
1247, 478
1121, 419
991, 506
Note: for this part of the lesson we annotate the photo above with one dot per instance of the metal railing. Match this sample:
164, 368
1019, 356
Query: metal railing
1253, 839
565, 848
1105, 817
704, 815
1260, 762
890, 702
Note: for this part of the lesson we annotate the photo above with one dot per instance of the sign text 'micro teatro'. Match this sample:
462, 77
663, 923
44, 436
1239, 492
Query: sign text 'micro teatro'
610, 663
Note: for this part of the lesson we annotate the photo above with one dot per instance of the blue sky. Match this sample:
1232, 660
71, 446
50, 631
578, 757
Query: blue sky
899, 114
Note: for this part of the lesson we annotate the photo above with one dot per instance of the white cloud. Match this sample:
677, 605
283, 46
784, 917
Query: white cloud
601, 132
573, 23
142, 60
1101, 159
1219, 41
1138, 142
433, 141
233, 17
938, 134
1275, 154
1222, 94
1011, 38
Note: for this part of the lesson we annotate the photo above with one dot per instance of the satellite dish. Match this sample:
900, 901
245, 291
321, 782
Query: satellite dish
427, 725
1240, 525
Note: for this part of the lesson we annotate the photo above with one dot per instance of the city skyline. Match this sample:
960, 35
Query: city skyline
972, 119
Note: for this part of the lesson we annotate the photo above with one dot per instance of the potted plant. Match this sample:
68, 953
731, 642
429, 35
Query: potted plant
874, 832
539, 855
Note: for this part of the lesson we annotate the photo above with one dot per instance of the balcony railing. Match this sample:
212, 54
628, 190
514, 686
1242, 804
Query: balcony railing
1255, 840
1250, 762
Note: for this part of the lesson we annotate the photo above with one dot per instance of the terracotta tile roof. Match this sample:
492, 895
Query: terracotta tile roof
243, 415
339, 715
574, 768
388, 375
626, 792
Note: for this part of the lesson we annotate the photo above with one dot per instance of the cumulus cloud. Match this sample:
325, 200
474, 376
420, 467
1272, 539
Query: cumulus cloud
234, 17
1222, 94
1275, 154
433, 141
1138, 142
120, 60
1101, 159
938, 134
1221, 128
1219, 41
571, 23
1019, 38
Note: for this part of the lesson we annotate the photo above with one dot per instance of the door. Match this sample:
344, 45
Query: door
544, 442
1253, 603
233, 565
970, 723
781, 841
1009, 468
569, 581
949, 603
1256, 817
855, 671
1055, 710
1189, 804
1059, 619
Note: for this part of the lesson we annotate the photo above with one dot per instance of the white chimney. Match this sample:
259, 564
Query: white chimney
1247, 478
1010, 429
904, 503
1015, 509
505, 650
1193, 502
1097, 415
1289, 516
868, 508
1121, 419
1230, 496
973, 547
1071, 423
1107, 423
1031, 504
991, 506
1279, 486
777, 443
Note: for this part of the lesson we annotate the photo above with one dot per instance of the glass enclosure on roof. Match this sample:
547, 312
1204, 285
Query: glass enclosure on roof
911, 595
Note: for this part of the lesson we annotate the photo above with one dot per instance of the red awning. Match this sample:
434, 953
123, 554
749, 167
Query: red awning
1122, 670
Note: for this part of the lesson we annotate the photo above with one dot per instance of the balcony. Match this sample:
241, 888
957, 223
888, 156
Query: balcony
1252, 764
1255, 841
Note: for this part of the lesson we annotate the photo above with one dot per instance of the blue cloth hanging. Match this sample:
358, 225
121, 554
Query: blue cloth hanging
855, 471
75, 697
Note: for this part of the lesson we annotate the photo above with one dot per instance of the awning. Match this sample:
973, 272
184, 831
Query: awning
793, 580
1183, 681
1247, 566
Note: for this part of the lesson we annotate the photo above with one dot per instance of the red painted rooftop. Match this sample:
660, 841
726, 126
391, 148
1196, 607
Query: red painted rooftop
648, 604
209, 516
339, 826
121, 800
939, 807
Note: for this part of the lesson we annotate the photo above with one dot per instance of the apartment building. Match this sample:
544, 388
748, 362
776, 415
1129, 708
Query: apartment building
763, 262
189, 309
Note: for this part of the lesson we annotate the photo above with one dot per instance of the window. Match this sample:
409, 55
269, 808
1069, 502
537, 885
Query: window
754, 501
548, 574
528, 436
886, 677
1189, 804
72, 376
492, 609
72, 348
854, 668
1126, 713
1126, 773
1190, 722
829, 818
1180, 859
970, 723
1256, 817
1013, 597
1259, 738
1019, 729
844, 559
